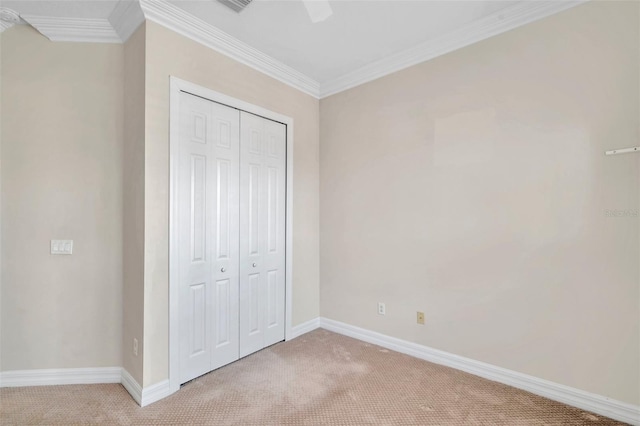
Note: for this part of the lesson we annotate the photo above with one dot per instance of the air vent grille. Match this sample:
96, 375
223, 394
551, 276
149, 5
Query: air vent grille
237, 5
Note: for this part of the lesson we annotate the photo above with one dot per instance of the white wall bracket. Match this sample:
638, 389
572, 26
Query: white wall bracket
623, 150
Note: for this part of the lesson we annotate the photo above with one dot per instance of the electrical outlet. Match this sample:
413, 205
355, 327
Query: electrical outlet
420, 318
382, 310
61, 246
135, 347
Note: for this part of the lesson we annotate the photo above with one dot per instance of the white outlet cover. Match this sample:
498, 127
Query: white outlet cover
61, 246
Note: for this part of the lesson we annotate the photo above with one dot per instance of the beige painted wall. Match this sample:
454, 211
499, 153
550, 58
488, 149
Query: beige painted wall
169, 53
61, 175
133, 207
474, 187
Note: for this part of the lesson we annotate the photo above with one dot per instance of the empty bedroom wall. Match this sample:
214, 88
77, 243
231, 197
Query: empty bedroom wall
474, 187
61, 176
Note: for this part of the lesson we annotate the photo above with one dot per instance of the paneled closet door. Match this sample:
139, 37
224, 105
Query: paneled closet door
262, 232
208, 215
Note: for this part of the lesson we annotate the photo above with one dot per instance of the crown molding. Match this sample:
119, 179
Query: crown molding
507, 19
8, 18
74, 29
174, 18
129, 14
5, 25
125, 18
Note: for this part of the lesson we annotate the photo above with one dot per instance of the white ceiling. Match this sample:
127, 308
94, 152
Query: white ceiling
358, 32
362, 39
62, 8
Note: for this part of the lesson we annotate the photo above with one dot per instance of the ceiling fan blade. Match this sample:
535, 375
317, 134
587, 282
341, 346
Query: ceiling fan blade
318, 10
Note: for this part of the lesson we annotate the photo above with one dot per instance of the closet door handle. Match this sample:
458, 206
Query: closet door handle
223, 269
254, 265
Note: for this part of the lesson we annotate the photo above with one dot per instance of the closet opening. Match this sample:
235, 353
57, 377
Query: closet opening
230, 257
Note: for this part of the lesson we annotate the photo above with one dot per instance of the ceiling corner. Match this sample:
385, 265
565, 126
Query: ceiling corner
499, 22
176, 19
126, 17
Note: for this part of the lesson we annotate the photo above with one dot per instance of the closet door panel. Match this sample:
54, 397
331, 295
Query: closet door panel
252, 242
195, 181
262, 220
226, 269
275, 211
208, 244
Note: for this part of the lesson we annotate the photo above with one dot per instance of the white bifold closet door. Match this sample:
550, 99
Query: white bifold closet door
231, 236
262, 232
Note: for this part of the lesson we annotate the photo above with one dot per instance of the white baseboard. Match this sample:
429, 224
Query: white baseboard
156, 392
598, 404
86, 376
305, 327
132, 386
148, 395
587, 401
60, 376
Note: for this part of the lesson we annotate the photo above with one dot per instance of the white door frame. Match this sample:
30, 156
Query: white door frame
176, 86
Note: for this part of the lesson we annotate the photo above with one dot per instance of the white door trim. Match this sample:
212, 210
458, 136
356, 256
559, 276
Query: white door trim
176, 86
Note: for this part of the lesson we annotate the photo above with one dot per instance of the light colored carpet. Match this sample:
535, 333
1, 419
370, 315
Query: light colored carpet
318, 378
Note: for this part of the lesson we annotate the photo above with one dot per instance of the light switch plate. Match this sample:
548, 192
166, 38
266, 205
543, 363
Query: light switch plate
61, 246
